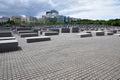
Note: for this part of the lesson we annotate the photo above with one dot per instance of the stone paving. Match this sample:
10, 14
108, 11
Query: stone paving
65, 57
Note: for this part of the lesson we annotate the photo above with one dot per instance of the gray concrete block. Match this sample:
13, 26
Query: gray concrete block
41, 32
5, 28
82, 35
37, 39
114, 31
118, 30
75, 30
65, 30
22, 35
25, 31
7, 38
117, 35
88, 32
5, 34
8, 45
23, 28
50, 33
109, 33
55, 29
98, 33
36, 30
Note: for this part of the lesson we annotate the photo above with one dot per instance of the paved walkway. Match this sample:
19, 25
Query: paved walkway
65, 57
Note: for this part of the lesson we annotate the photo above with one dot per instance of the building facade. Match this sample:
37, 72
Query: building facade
31, 19
60, 18
18, 18
4, 19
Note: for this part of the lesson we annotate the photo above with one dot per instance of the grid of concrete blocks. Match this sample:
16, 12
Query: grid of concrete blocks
65, 54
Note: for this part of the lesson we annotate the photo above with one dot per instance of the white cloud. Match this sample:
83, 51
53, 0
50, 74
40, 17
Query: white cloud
97, 9
39, 15
25, 2
52, 3
90, 9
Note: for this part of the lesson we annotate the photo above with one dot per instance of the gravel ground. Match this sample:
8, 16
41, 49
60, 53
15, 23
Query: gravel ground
65, 57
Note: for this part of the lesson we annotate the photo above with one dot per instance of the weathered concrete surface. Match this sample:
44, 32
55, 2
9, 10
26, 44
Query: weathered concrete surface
8, 45
117, 35
50, 33
37, 39
83, 35
7, 38
98, 33
5, 34
22, 35
66, 57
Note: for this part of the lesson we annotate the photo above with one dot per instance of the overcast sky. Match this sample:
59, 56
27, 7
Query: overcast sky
85, 9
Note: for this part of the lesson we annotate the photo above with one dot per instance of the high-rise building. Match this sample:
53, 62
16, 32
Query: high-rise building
31, 19
24, 18
68, 19
15, 18
60, 18
54, 13
18, 18
48, 14
51, 16
4, 19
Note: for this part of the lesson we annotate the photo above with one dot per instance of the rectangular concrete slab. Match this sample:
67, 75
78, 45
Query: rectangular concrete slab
25, 31
82, 35
65, 30
117, 35
28, 34
7, 38
37, 39
109, 33
7, 45
5, 34
23, 28
55, 29
75, 29
98, 33
50, 33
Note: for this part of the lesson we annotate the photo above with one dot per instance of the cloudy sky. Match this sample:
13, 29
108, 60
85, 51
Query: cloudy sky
85, 9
